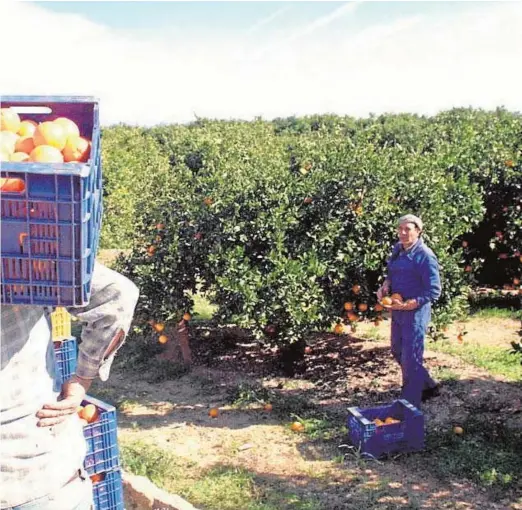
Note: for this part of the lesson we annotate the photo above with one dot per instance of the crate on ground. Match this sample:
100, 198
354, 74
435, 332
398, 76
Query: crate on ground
51, 220
102, 438
108, 492
406, 435
60, 324
66, 356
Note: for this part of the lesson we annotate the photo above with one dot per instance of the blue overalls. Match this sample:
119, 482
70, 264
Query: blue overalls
414, 274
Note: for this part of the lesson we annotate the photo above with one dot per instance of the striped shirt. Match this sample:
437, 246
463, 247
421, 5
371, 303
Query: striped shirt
37, 461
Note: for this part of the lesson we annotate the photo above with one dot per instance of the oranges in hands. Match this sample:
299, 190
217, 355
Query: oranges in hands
386, 301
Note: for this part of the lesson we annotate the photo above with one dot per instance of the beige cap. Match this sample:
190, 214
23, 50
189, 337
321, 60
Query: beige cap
411, 218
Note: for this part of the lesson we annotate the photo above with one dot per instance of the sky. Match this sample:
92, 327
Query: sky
170, 62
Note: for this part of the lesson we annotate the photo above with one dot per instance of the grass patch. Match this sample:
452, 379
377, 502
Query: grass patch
496, 313
496, 360
487, 454
373, 334
221, 487
445, 374
323, 429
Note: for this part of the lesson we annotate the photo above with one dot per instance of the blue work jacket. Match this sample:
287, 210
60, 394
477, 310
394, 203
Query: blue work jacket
414, 274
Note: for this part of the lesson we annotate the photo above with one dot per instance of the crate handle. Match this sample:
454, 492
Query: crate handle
11, 185
32, 110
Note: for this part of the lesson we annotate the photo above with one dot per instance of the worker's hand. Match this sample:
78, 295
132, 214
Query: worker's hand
406, 306
384, 289
73, 392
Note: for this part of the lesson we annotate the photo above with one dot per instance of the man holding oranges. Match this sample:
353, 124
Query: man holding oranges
414, 281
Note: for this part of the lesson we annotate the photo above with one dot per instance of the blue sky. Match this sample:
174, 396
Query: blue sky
200, 17
158, 62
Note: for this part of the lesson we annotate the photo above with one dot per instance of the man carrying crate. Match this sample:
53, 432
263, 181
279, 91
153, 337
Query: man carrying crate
42, 447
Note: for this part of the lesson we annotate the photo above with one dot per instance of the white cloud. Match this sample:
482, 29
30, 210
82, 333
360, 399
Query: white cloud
410, 64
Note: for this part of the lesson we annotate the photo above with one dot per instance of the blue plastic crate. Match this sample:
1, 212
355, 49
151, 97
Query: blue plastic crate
376, 441
102, 439
108, 493
66, 356
50, 230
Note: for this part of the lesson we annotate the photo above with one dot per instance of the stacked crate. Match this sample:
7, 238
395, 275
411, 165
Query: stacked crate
102, 461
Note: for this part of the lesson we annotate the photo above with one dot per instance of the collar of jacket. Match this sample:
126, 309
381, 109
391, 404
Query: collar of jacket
412, 249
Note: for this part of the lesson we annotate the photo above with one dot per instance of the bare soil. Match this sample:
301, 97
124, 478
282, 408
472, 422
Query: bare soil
340, 371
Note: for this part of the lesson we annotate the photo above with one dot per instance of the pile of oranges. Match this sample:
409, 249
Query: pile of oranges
56, 141
388, 421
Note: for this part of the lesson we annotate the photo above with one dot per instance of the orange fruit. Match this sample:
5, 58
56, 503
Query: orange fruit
70, 127
379, 308
207, 201
348, 306
96, 478
390, 420
458, 430
267, 407
46, 154
79, 409
76, 149
9, 120
27, 128
356, 289
19, 156
338, 329
386, 301
163, 339
90, 413
297, 426
352, 317
363, 307
13, 185
8, 141
50, 133
24, 144
186, 316
213, 412
159, 327
510, 163
378, 422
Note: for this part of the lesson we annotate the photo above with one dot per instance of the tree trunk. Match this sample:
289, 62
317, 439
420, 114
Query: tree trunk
291, 357
178, 345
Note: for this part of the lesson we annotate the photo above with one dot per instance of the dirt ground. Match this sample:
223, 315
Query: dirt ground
338, 372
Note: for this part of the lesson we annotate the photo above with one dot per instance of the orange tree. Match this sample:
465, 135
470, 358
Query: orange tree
285, 229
